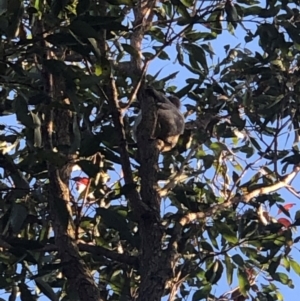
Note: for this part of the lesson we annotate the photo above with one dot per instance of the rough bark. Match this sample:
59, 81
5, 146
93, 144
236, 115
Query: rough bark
74, 268
57, 134
155, 265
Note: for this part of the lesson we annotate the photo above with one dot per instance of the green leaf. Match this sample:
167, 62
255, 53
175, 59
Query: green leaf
102, 68
90, 144
22, 113
198, 54
163, 55
3, 7
215, 20
181, 9
235, 177
208, 48
286, 263
244, 285
279, 296
203, 293
25, 293
98, 69
113, 218
212, 234
128, 188
218, 270
227, 232
238, 259
208, 161
229, 269
231, 12
56, 7
17, 217
129, 49
46, 289
255, 144
281, 277
297, 215
89, 168
187, 3
249, 230
295, 266
274, 265
15, 9
218, 147
83, 29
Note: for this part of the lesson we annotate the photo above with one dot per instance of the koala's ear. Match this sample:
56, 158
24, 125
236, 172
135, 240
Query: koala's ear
175, 101
158, 96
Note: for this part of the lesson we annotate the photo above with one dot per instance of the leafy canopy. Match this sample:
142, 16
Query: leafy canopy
221, 183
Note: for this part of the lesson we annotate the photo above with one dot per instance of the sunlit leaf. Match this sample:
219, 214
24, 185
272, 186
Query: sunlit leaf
295, 266
227, 233
281, 277
202, 293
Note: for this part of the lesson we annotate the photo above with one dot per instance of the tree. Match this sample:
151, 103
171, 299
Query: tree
73, 73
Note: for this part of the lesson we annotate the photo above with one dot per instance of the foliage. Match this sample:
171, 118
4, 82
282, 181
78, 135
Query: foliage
219, 184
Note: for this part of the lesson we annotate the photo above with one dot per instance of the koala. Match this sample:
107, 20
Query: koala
170, 121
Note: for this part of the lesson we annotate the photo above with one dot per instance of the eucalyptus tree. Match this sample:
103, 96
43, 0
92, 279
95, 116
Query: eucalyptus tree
146, 225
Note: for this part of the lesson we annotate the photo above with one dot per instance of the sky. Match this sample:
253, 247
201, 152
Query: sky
168, 67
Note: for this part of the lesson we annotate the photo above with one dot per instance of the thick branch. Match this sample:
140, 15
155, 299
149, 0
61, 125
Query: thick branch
74, 268
246, 198
154, 266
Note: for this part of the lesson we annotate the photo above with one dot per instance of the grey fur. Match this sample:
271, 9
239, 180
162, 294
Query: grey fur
170, 121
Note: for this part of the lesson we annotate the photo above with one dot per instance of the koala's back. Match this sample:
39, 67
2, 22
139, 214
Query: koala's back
170, 121
170, 124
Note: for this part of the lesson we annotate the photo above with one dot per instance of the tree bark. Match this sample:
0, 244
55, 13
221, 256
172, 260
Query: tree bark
155, 266
57, 134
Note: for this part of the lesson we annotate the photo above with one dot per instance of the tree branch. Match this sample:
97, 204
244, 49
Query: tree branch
98, 250
246, 198
74, 268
